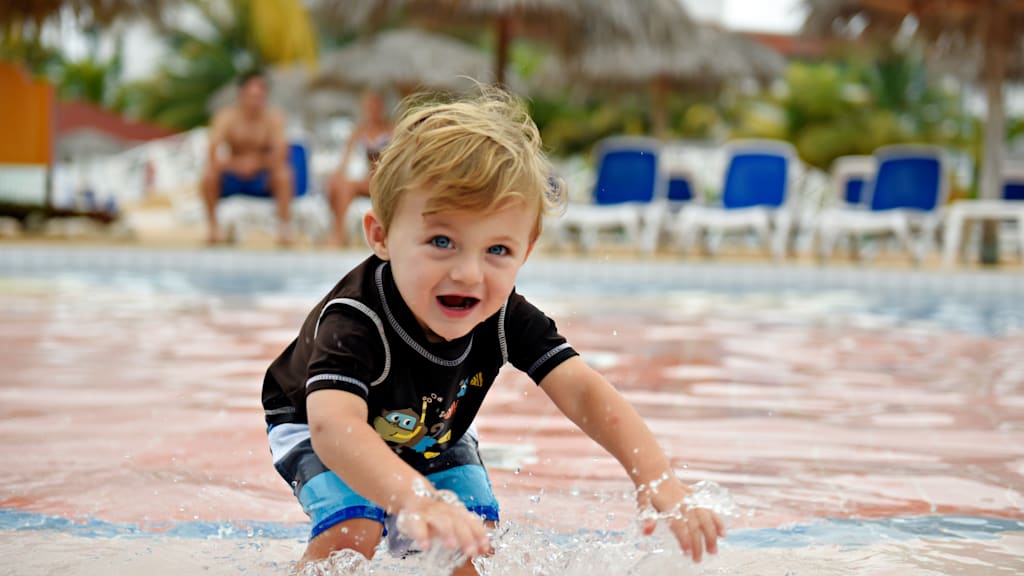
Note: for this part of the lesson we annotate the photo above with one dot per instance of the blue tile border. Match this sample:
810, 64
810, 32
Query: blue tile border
826, 531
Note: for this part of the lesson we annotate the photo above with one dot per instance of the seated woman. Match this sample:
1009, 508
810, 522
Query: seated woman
371, 134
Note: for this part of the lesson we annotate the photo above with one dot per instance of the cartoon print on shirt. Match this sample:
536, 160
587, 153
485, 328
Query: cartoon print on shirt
400, 427
404, 429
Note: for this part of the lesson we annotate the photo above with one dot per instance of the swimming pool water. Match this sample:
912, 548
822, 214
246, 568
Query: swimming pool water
859, 429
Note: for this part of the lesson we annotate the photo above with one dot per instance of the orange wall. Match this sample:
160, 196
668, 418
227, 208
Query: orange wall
26, 118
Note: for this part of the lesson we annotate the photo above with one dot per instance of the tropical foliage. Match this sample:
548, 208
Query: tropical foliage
852, 107
244, 34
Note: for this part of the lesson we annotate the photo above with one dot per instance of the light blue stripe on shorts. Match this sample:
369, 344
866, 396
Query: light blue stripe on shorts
329, 501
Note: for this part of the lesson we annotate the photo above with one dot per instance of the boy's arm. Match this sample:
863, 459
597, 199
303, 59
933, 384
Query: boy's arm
587, 399
347, 445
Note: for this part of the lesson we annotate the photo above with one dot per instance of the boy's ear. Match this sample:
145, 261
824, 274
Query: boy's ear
376, 236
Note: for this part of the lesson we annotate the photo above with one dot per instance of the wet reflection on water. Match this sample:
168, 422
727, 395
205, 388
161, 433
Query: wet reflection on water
136, 401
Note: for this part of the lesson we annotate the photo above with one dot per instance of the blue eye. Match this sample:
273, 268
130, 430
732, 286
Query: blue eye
441, 242
498, 250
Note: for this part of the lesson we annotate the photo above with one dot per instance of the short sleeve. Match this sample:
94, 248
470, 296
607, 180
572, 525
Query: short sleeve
534, 344
348, 351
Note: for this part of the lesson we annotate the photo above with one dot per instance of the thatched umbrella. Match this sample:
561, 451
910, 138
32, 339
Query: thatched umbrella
705, 57
96, 11
989, 33
406, 59
562, 22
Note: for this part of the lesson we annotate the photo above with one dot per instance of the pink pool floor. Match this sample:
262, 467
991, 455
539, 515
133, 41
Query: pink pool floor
141, 406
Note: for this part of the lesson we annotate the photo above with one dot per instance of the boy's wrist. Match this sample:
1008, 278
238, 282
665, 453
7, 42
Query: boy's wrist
421, 492
663, 494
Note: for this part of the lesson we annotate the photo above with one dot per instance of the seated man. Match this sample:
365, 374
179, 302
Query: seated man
257, 159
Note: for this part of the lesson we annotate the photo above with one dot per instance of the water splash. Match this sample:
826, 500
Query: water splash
525, 549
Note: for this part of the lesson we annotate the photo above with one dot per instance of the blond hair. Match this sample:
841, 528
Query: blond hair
478, 154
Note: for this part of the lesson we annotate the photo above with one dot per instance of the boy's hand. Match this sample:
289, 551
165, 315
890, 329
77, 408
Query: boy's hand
441, 517
696, 529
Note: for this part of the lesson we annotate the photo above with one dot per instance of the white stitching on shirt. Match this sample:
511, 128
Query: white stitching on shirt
550, 353
376, 321
405, 335
338, 378
501, 334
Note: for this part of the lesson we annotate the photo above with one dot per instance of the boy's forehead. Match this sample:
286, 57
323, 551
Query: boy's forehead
436, 199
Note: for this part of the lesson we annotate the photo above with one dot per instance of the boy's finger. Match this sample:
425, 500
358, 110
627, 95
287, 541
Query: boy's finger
441, 529
467, 541
682, 532
695, 542
720, 525
707, 525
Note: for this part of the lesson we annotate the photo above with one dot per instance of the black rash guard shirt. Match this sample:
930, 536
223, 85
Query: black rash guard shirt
421, 396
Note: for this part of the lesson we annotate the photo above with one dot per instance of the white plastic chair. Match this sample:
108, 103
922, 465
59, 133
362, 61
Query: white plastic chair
907, 194
755, 197
628, 194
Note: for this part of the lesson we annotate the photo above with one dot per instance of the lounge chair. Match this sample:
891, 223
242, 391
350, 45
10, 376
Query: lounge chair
907, 194
755, 197
309, 213
1010, 208
849, 180
682, 189
628, 183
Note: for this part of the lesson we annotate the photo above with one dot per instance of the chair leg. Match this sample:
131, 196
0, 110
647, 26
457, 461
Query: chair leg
779, 239
951, 240
687, 232
650, 230
1020, 238
928, 232
902, 231
713, 241
588, 238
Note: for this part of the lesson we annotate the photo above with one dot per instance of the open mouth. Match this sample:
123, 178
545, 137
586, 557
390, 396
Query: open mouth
457, 302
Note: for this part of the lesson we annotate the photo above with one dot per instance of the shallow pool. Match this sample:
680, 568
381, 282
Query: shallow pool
860, 428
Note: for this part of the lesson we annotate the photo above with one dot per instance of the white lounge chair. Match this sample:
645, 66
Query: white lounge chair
627, 195
907, 194
755, 197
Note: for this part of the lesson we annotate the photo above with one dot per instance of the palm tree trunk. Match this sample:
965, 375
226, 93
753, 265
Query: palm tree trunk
996, 39
659, 111
504, 25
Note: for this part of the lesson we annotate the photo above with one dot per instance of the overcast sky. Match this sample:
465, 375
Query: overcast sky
766, 15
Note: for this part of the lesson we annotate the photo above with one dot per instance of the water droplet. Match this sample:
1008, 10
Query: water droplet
535, 498
517, 470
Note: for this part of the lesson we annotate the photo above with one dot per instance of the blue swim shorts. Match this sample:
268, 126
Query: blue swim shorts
232, 184
328, 501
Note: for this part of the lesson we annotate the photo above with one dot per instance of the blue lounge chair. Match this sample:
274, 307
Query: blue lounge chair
755, 197
850, 179
628, 184
308, 210
907, 194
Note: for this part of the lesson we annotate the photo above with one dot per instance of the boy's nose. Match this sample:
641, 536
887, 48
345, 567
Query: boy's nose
466, 271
